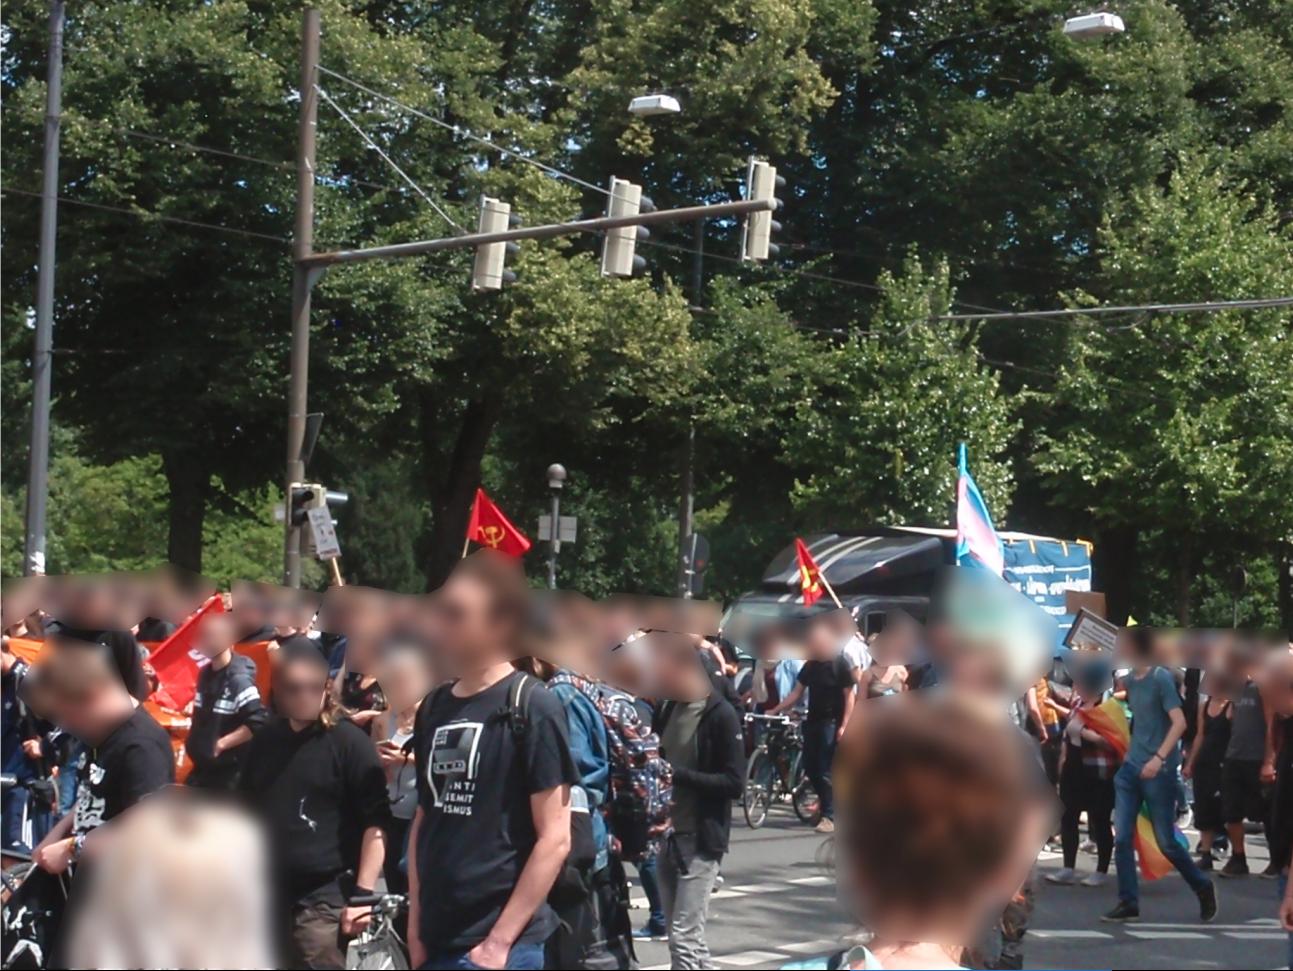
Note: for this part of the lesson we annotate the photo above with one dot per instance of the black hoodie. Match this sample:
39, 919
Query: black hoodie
719, 774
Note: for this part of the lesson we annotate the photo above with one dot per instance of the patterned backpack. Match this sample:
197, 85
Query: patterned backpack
641, 799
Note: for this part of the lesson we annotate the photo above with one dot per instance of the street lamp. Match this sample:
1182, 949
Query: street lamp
556, 482
1094, 25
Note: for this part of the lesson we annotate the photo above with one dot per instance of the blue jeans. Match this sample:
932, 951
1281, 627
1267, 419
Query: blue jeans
522, 957
819, 753
1159, 796
651, 887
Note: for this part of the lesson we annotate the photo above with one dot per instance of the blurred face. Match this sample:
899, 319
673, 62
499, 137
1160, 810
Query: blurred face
679, 675
215, 636
300, 689
404, 678
468, 629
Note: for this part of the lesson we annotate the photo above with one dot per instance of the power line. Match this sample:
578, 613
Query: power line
470, 136
387, 159
158, 217
1207, 307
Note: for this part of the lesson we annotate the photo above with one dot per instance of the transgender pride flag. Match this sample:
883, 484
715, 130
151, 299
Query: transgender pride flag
977, 543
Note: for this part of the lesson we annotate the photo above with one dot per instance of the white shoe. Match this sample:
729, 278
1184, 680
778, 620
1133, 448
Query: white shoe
1094, 880
1087, 846
825, 826
1065, 876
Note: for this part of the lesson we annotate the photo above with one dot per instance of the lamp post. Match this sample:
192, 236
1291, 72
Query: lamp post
556, 482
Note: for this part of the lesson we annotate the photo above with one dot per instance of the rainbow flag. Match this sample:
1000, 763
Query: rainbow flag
1111, 722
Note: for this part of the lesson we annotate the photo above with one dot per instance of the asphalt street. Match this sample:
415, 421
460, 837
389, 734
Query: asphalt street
778, 904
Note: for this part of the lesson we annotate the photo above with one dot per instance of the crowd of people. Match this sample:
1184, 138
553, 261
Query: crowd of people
503, 760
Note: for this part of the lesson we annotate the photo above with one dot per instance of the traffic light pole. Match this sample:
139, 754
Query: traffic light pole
42, 356
303, 278
308, 266
686, 214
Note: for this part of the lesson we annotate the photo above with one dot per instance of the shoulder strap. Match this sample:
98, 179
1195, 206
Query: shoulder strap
518, 704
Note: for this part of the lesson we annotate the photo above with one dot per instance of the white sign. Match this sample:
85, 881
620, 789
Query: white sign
1090, 631
326, 546
566, 528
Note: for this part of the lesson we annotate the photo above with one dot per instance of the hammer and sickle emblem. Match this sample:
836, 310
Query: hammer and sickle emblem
808, 580
491, 536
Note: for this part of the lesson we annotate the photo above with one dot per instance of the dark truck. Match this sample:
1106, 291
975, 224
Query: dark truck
877, 570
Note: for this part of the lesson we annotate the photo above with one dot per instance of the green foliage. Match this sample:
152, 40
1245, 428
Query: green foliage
942, 156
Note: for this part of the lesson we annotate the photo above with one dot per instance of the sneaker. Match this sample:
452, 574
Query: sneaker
1124, 913
1094, 879
1236, 866
825, 826
1206, 860
1087, 846
651, 932
1065, 876
1208, 902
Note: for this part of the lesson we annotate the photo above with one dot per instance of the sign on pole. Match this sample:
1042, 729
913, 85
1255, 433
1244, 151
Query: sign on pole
566, 528
326, 545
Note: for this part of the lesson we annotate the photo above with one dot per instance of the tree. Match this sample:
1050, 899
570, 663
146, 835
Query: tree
1182, 424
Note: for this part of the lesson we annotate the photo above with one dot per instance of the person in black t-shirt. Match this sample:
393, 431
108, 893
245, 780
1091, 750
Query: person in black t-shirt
830, 680
492, 828
316, 783
128, 754
227, 710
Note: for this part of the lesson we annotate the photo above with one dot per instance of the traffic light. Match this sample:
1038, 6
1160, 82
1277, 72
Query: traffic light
618, 258
310, 495
489, 272
303, 498
761, 183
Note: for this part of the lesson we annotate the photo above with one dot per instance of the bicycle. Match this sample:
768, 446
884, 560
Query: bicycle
775, 770
379, 947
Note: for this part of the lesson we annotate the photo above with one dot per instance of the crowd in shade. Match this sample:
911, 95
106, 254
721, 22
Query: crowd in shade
265, 777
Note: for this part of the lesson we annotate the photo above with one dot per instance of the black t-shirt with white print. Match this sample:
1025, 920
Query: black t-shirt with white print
135, 760
476, 774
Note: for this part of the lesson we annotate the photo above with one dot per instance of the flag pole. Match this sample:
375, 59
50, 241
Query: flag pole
829, 589
465, 543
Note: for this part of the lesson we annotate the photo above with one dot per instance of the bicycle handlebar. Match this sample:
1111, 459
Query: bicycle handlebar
780, 719
378, 899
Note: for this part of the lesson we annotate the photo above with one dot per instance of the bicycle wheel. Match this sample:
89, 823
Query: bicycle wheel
804, 798
759, 773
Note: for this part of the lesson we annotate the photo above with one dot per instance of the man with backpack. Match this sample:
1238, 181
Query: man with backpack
492, 829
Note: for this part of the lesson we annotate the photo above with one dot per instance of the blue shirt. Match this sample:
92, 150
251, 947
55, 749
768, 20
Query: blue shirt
1152, 698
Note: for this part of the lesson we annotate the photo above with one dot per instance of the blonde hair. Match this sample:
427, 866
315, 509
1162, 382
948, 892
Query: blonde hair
177, 883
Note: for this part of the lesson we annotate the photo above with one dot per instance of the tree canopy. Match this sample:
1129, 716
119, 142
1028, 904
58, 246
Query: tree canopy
941, 158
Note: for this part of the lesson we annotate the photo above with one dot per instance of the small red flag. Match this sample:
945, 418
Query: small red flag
810, 574
489, 527
177, 663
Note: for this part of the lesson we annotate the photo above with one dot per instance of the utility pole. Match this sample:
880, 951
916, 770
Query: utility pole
303, 279
42, 356
687, 497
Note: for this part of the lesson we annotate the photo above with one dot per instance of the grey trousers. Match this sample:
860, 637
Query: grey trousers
685, 888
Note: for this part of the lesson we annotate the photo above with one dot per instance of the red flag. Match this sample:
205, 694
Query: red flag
489, 527
810, 574
174, 661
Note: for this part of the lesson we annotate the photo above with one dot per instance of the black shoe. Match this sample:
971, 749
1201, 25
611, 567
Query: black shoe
1206, 861
1208, 902
1124, 913
1236, 866
1271, 872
